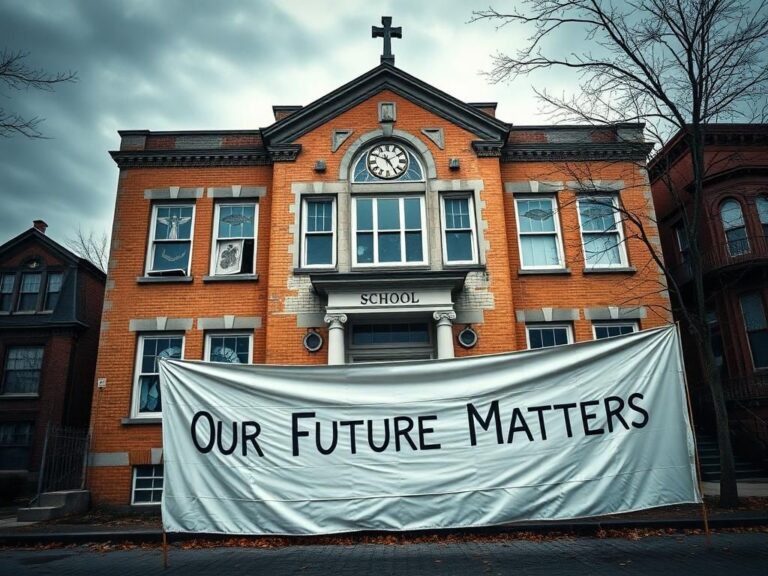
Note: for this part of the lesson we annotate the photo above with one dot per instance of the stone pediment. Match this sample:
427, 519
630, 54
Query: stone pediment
385, 77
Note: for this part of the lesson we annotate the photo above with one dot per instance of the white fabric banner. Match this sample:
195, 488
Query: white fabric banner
576, 431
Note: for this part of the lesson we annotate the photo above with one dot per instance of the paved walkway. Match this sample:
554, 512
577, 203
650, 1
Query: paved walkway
742, 554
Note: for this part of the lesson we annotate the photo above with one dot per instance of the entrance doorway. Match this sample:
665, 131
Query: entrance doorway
369, 341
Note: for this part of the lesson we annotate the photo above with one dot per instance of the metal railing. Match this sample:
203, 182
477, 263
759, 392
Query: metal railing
737, 253
749, 388
64, 461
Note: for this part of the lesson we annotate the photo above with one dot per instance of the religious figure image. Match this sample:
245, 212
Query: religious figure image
173, 222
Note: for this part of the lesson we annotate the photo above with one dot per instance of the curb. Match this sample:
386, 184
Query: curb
585, 528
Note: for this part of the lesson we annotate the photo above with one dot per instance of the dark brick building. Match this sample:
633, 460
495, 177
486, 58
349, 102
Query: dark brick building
50, 309
734, 249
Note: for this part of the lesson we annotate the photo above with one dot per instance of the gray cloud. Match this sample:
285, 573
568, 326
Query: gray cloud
194, 64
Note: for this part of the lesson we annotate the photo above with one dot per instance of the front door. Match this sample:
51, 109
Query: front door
370, 341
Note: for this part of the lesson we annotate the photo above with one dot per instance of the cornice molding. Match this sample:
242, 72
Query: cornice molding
194, 158
487, 148
637, 151
284, 152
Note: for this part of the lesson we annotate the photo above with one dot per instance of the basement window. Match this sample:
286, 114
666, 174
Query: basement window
147, 485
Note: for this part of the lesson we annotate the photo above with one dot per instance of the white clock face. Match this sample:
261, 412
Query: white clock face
387, 161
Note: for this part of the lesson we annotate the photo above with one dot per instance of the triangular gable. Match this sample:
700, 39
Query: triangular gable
385, 77
35, 236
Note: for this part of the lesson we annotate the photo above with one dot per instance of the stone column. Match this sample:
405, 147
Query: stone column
336, 337
444, 333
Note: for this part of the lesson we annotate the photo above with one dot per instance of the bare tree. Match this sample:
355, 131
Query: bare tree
15, 74
677, 66
92, 246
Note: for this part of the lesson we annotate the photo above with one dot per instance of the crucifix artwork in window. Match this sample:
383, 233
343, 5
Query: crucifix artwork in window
171, 244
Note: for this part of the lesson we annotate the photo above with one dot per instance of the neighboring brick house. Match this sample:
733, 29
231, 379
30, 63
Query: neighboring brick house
734, 248
385, 221
50, 309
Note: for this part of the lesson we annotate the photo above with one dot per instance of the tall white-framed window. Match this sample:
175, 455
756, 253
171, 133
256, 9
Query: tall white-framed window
318, 232
459, 229
548, 335
761, 203
234, 238
146, 385
756, 326
388, 230
606, 329
734, 227
170, 240
538, 233
229, 347
602, 235
147, 485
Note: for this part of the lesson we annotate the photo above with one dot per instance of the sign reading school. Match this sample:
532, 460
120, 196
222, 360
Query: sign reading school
595, 428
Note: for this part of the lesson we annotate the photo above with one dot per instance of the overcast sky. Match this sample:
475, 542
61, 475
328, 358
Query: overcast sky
205, 65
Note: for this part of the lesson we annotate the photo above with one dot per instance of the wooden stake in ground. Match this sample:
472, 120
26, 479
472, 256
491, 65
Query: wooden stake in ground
165, 550
704, 514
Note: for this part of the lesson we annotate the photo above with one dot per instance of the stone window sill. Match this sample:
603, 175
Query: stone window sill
624, 270
19, 396
548, 271
140, 421
164, 279
233, 278
318, 270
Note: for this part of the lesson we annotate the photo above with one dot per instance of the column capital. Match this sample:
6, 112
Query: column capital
335, 320
448, 315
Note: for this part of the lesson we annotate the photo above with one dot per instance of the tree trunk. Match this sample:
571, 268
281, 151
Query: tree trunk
729, 496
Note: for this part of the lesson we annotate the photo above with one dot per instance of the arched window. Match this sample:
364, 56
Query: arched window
735, 230
762, 213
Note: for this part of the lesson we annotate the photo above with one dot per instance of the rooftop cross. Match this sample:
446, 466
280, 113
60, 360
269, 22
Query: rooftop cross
387, 32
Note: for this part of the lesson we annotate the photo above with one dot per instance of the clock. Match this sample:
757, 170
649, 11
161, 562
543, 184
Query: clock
387, 161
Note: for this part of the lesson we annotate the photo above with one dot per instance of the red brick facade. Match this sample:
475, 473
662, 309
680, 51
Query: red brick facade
58, 388
305, 155
734, 250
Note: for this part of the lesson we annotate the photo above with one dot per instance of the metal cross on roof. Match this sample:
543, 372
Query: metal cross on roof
387, 32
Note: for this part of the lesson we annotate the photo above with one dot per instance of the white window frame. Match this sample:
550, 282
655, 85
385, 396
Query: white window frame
621, 242
304, 233
612, 323
137, 373
151, 240
548, 325
557, 233
228, 334
472, 227
153, 477
402, 230
215, 237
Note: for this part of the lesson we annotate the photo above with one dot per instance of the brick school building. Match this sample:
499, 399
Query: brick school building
385, 221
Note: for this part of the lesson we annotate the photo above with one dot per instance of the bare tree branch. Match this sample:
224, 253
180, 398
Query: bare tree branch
15, 74
92, 246
675, 65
